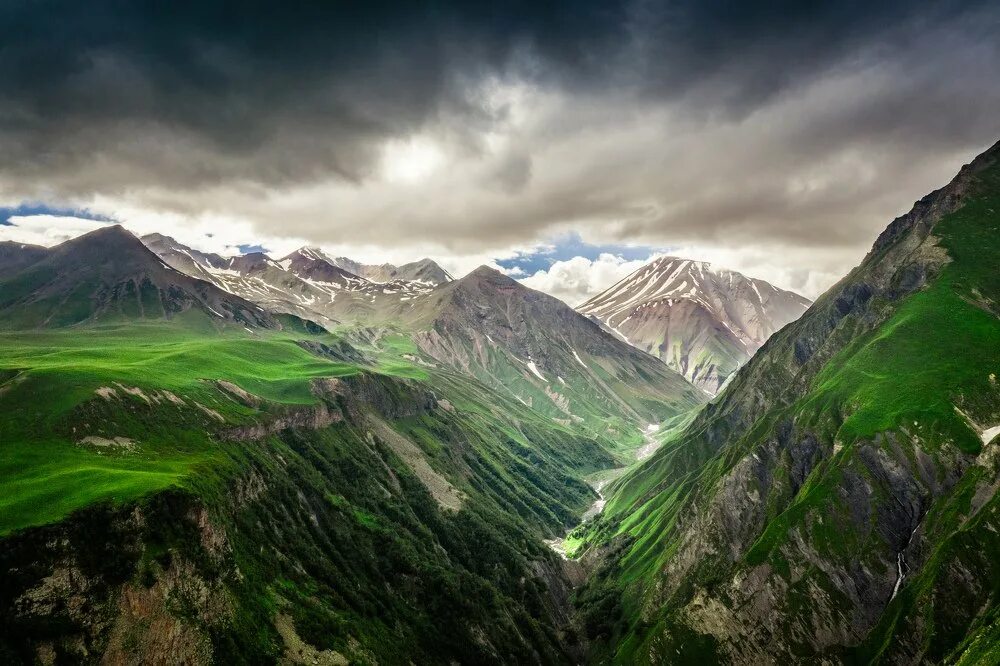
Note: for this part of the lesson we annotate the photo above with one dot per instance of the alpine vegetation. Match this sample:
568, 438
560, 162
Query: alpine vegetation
523, 333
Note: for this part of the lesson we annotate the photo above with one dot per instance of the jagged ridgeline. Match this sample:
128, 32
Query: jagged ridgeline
187, 473
839, 500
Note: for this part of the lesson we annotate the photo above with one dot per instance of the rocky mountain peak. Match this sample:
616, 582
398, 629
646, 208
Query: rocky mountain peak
703, 321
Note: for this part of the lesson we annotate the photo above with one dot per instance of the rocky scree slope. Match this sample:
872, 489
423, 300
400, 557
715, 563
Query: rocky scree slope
702, 321
839, 500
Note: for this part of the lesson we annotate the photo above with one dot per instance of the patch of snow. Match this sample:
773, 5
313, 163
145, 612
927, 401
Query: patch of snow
218, 272
534, 369
578, 359
988, 434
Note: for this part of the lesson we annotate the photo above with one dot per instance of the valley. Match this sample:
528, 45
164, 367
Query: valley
616, 333
235, 459
841, 480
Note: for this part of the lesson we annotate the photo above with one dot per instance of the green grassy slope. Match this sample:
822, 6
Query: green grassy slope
854, 436
50, 406
124, 434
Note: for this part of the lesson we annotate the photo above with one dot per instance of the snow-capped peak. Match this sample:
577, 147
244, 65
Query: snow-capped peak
674, 308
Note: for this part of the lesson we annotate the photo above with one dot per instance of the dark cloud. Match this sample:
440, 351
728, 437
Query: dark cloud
800, 126
196, 92
102, 95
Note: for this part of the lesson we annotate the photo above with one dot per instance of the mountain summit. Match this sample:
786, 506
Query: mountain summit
703, 321
108, 274
545, 353
425, 270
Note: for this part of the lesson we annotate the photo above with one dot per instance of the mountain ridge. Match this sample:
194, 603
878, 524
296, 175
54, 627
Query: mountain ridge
422, 270
702, 321
107, 274
547, 354
305, 283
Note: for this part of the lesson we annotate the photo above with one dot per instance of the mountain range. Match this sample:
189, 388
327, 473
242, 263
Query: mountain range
185, 435
109, 275
702, 321
486, 324
309, 460
424, 270
307, 282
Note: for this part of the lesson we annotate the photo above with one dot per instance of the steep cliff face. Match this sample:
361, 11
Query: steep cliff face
838, 499
349, 530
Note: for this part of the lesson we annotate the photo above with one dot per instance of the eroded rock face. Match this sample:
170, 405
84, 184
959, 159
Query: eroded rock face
392, 397
83, 591
311, 418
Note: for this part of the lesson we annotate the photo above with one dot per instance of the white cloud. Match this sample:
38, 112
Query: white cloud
410, 161
47, 230
575, 280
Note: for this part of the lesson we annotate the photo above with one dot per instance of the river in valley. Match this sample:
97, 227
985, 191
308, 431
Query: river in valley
600, 480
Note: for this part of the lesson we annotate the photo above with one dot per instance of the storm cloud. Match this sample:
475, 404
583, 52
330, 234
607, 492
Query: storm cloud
765, 129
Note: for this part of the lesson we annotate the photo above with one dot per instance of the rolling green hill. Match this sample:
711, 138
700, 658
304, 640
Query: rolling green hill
839, 499
240, 496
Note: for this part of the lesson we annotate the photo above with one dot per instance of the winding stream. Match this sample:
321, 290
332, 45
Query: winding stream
606, 477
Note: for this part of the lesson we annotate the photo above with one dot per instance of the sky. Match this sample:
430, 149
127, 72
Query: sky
563, 142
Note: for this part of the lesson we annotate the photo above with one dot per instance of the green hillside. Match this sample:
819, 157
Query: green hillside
847, 451
51, 399
356, 498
